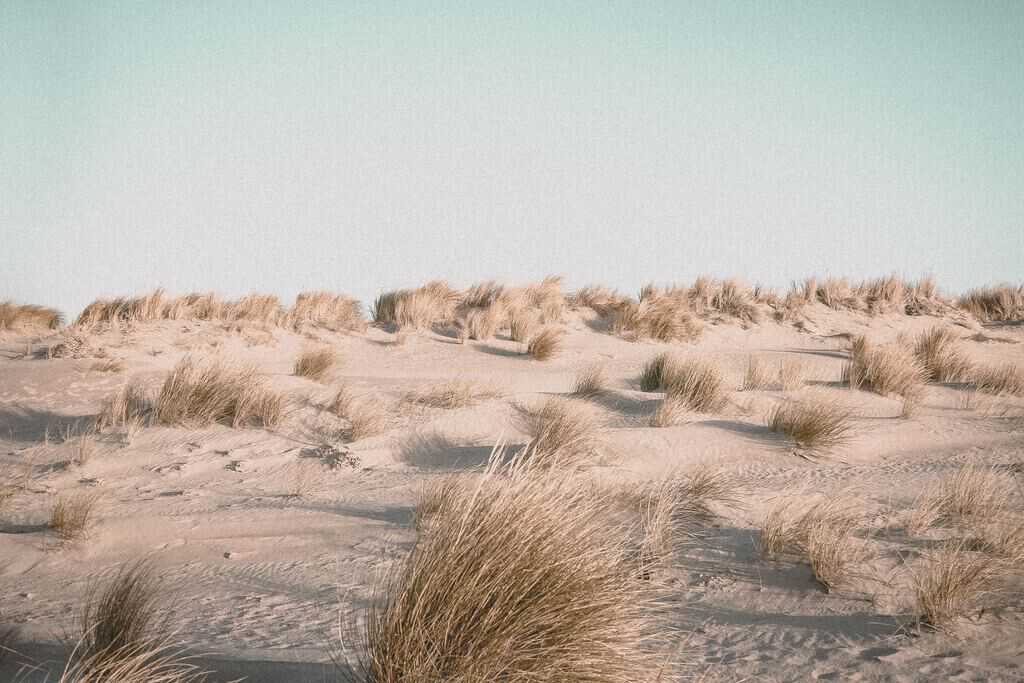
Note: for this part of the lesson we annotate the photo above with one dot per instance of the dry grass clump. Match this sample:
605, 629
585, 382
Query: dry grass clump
1007, 378
652, 377
523, 577
836, 293
884, 370
366, 416
600, 299
121, 638
823, 534
257, 308
128, 407
951, 582
973, 491
1002, 303
198, 393
325, 309
545, 344
759, 375
480, 323
152, 306
675, 508
449, 395
562, 433
522, 323
671, 411
73, 514
735, 300
419, 308
696, 383
316, 364
938, 350
590, 381
815, 425
664, 318
1003, 538
28, 317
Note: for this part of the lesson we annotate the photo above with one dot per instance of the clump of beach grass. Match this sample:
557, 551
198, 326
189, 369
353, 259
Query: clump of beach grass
526, 572
545, 344
697, 383
202, 392
815, 425
939, 352
315, 364
590, 381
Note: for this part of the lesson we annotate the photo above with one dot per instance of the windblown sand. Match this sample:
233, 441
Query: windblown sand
262, 542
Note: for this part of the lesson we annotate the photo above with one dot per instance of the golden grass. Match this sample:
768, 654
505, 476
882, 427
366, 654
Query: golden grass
522, 323
1007, 378
974, 490
316, 364
121, 639
884, 370
522, 577
822, 534
697, 383
737, 301
663, 318
546, 344
202, 392
652, 376
28, 317
366, 417
590, 381
562, 433
1000, 303
758, 375
952, 582
128, 407
480, 323
450, 395
599, 299
73, 515
325, 309
939, 352
671, 411
815, 425
420, 308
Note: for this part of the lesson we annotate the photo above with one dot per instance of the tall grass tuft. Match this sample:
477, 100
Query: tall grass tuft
202, 392
25, 317
562, 433
521, 577
545, 344
816, 426
938, 351
696, 383
315, 364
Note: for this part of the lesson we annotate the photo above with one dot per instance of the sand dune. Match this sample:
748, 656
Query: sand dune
263, 535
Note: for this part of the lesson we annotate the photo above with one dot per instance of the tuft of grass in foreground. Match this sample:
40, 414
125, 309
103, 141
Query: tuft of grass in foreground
562, 433
814, 425
545, 344
121, 638
951, 582
939, 353
199, 393
316, 364
73, 514
523, 576
696, 383
590, 381
128, 407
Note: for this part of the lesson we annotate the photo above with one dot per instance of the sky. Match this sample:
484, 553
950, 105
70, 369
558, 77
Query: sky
364, 146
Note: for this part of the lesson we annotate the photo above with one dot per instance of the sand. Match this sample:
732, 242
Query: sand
259, 540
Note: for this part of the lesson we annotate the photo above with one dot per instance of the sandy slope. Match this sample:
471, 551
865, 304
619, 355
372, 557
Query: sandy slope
258, 571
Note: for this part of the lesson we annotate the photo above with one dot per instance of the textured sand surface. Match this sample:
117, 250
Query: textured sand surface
259, 540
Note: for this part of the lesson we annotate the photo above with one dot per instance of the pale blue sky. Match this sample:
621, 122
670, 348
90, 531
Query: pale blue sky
369, 145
